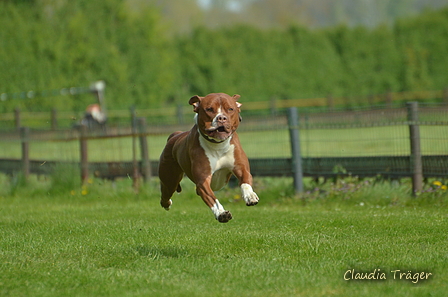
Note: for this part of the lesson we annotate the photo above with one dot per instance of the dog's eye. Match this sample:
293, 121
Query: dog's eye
230, 109
209, 109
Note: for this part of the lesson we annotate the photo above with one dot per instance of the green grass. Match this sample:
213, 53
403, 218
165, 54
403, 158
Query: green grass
108, 241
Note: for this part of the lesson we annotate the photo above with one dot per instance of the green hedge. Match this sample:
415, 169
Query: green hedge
73, 43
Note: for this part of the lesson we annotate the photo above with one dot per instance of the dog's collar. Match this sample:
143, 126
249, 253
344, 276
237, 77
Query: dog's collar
210, 139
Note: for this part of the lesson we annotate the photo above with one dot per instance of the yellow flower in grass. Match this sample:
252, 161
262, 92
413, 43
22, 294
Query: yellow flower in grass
437, 183
444, 187
84, 190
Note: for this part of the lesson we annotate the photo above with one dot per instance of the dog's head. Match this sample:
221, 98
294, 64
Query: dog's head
218, 115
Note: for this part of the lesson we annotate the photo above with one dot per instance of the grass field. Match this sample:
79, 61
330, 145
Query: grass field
108, 241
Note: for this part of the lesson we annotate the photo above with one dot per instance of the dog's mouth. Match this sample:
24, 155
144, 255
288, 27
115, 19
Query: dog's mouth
221, 129
219, 133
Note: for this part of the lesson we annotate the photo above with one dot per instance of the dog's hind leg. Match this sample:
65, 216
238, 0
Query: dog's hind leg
169, 183
170, 175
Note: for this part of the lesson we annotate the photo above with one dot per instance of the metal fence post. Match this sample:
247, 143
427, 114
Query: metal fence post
416, 154
135, 169
84, 154
293, 122
180, 114
54, 119
24, 135
17, 118
146, 166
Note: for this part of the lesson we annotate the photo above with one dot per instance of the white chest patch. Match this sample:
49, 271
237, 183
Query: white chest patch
220, 155
221, 159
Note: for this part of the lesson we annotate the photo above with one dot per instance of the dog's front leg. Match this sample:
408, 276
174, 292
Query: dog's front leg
204, 190
245, 178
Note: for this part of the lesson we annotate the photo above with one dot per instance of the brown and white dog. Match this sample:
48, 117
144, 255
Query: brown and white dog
208, 154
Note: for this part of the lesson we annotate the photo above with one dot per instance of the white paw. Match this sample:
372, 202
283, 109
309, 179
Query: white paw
249, 196
217, 209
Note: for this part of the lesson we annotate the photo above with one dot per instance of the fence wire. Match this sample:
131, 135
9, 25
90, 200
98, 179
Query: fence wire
360, 141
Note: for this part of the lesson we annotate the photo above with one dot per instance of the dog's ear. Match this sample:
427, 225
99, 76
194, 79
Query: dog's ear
236, 97
195, 100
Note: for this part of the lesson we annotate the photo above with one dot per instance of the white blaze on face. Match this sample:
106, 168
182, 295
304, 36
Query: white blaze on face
215, 119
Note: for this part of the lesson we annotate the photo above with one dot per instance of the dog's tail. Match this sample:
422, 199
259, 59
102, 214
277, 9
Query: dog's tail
179, 189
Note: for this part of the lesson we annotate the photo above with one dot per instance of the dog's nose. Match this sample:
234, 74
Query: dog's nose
222, 118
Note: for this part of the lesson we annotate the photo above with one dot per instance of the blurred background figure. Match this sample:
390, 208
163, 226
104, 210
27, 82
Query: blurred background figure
94, 118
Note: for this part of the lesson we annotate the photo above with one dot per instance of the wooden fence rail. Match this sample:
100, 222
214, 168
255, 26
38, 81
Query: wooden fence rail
54, 117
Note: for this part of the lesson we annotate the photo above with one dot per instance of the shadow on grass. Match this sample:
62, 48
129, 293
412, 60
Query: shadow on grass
165, 252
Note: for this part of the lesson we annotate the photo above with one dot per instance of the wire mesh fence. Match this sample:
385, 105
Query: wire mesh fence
362, 141
375, 132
